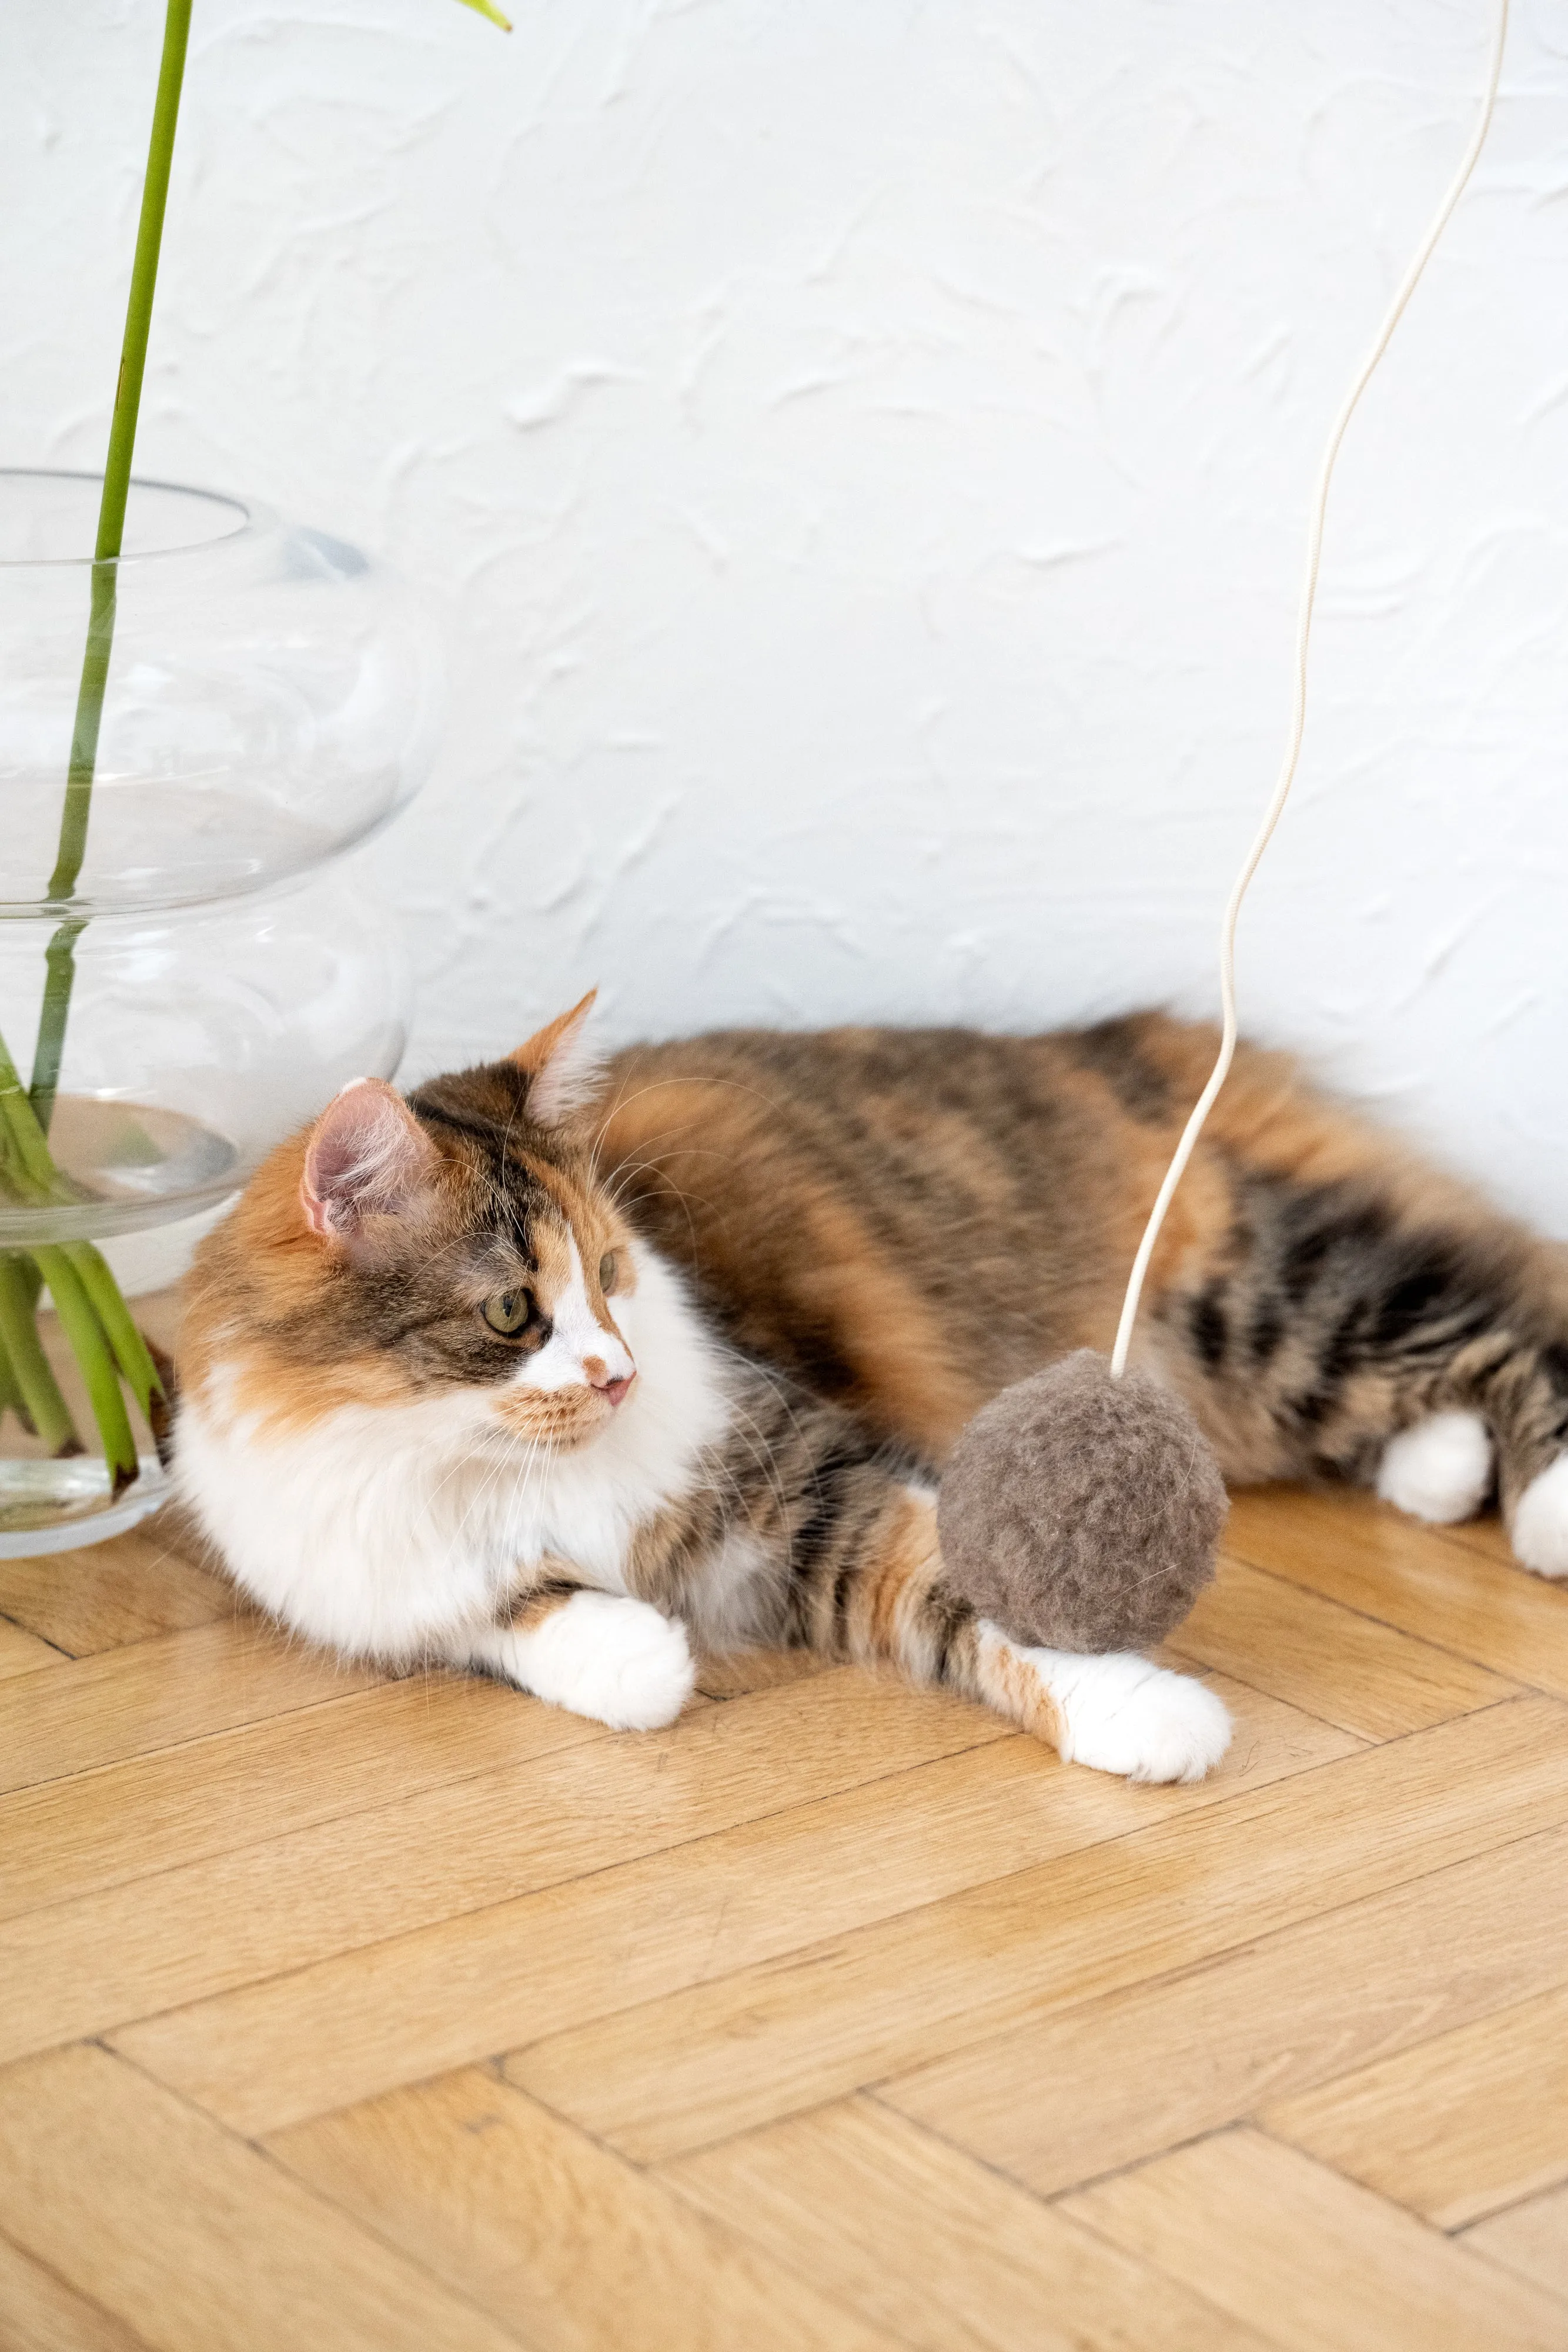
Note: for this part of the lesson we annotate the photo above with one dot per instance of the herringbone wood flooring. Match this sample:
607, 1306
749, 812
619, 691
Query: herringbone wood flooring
341, 2013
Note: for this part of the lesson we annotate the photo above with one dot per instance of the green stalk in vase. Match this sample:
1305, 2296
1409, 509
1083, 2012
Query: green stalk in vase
72, 848
28, 1377
93, 1315
103, 1337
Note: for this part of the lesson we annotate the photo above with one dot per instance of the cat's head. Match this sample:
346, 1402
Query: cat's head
457, 1243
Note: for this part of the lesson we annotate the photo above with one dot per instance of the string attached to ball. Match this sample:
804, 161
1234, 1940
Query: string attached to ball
1081, 1509
1287, 776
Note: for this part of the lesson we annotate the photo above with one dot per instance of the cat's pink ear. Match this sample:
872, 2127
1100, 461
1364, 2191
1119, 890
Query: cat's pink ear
368, 1156
561, 1063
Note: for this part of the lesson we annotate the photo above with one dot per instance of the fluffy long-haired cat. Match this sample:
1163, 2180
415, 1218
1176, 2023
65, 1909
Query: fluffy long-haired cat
554, 1370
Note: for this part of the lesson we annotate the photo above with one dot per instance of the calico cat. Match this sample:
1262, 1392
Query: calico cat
551, 1371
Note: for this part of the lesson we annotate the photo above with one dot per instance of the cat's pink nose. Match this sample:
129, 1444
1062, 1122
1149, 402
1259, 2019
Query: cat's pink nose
599, 1378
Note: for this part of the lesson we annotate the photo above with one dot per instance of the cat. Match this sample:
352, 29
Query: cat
554, 1370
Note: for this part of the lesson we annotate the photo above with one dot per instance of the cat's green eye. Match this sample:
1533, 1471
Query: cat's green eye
607, 1273
507, 1312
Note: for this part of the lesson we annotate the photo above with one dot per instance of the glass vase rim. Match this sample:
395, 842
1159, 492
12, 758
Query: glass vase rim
255, 518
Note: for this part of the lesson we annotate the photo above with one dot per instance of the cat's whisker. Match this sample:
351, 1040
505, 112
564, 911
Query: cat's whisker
491, 1476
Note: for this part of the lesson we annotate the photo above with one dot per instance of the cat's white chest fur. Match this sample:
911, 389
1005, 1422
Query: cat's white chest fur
388, 1532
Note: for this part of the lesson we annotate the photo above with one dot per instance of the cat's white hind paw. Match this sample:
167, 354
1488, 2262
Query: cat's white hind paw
1120, 1714
619, 1661
1440, 1470
1540, 1529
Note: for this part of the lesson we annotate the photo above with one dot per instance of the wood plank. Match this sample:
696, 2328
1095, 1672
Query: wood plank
193, 2239
948, 2257
1060, 2099
264, 1780
1371, 1558
95, 1711
38, 2313
739, 1673
1475, 2119
1329, 1660
1318, 2262
561, 2242
770, 2039
126, 1589
81, 1967
1486, 1535
22, 1653
1531, 2239
417, 2005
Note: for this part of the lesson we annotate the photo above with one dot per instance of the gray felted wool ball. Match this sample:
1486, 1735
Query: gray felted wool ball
1082, 1512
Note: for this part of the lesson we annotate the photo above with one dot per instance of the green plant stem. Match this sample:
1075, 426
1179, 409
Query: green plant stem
11, 1397
131, 1351
72, 847
92, 1350
144, 279
60, 967
12, 1181
94, 1316
29, 1167
47, 1408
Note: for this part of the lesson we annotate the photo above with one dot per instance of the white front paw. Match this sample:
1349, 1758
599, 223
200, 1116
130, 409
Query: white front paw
618, 1661
1440, 1470
1120, 1714
1539, 1528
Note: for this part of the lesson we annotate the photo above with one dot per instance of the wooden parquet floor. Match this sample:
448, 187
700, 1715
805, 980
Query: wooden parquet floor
343, 2012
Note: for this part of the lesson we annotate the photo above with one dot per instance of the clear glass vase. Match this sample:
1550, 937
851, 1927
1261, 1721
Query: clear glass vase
272, 698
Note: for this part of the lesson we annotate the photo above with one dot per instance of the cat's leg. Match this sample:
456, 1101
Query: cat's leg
1446, 1465
1441, 1469
597, 1653
1524, 1396
1496, 1415
1333, 1332
1116, 1711
871, 1587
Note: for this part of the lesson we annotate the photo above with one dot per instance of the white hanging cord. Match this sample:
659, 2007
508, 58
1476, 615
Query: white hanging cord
1204, 1103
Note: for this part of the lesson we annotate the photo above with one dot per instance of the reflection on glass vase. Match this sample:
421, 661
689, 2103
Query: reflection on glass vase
272, 698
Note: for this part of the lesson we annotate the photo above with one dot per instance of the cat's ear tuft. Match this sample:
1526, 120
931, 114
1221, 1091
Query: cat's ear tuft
367, 1157
560, 1065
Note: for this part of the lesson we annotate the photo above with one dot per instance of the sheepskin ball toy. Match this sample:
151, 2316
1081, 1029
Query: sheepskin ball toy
1080, 1512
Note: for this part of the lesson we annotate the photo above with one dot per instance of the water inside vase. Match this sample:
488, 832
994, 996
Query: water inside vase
130, 1164
44, 1504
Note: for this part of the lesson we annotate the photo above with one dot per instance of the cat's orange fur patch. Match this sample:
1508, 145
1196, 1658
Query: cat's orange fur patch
554, 1417
837, 1278
1010, 1684
534, 1052
904, 1565
582, 1222
883, 1329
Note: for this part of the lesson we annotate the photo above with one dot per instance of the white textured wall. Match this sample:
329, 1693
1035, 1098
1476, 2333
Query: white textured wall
866, 446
